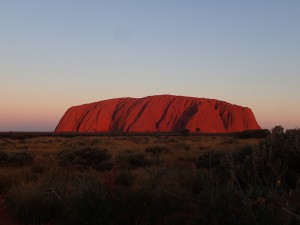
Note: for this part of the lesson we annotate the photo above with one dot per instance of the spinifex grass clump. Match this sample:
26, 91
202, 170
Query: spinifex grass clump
155, 150
155, 153
95, 158
19, 158
131, 159
40, 200
124, 177
3, 158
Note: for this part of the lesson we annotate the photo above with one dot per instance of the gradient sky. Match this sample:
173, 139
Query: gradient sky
59, 53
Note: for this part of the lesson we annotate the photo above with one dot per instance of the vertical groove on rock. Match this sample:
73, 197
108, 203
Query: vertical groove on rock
164, 113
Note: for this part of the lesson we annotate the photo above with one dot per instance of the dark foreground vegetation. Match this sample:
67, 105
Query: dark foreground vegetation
159, 180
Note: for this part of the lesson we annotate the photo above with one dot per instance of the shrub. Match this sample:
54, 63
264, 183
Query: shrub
20, 158
3, 158
10, 177
275, 159
183, 146
155, 151
124, 177
211, 160
39, 201
277, 130
107, 165
89, 203
84, 156
35, 205
129, 159
15, 158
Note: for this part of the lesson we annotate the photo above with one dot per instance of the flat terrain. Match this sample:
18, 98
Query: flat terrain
179, 146
154, 179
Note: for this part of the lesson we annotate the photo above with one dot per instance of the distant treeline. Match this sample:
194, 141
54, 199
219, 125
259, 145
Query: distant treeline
24, 135
252, 134
263, 133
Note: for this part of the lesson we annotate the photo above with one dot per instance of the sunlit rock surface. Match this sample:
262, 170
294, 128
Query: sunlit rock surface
160, 113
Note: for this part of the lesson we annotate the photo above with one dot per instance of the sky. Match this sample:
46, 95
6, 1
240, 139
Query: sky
59, 53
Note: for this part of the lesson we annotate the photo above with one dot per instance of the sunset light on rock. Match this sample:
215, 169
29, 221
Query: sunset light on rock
162, 113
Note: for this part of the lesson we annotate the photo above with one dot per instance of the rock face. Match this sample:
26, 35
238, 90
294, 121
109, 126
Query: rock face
160, 113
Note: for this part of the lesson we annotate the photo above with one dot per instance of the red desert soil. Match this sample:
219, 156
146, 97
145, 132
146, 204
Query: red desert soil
160, 113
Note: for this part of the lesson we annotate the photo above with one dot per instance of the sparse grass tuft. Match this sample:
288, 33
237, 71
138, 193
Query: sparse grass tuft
156, 150
131, 159
124, 177
20, 158
84, 156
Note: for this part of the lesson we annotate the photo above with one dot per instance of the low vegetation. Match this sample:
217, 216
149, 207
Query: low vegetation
167, 180
94, 158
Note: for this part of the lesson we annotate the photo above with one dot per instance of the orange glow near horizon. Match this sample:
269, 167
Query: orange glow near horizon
46, 115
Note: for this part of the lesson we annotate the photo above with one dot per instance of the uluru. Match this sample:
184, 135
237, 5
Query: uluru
159, 113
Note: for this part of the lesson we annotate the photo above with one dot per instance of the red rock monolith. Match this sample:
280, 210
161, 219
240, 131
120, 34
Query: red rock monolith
160, 113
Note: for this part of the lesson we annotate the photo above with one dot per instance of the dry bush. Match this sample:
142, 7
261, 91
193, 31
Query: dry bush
124, 177
183, 146
41, 200
156, 150
187, 158
44, 163
10, 177
85, 156
20, 158
131, 159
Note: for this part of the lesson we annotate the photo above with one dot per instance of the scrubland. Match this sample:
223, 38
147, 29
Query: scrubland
156, 179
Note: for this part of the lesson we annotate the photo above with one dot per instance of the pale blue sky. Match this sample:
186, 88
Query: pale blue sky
58, 53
